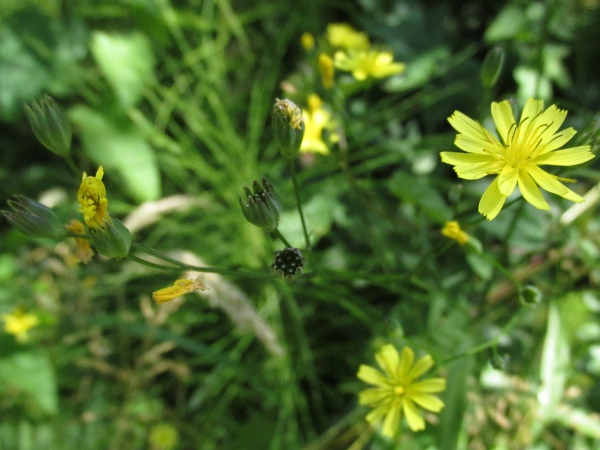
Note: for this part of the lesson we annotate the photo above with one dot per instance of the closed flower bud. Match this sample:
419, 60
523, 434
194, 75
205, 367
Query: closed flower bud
492, 66
113, 240
288, 127
289, 263
262, 207
50, 125
33, 218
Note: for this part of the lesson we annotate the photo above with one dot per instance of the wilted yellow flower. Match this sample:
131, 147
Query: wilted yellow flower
368, 63
316, 118
179, 288
397, 390
18, 323
308, 41
326, 70
525, 146
84, 251
92, 200
453, 230
342, 35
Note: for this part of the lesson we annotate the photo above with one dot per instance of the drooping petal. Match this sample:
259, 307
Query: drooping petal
419, 368
373, 396
567, 157
372, 376
491, 201
551, 184
430, 385
388, 359
531, 192
507, 180
414, 419
428, 402
503, 118
392, 419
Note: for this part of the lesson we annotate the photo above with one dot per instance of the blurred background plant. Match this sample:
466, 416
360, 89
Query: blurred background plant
173, 99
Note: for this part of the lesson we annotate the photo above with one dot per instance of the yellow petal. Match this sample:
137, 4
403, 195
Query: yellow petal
372, 376
551, 184
406, 362
430, 385
507, 180
491, 201
419, 368
530, 191
414, 419
428, 402
477, 171
378, 413
466, 158
388, 359
503, 118
531, 110
551, 141
373, 396
392, 420
567, 157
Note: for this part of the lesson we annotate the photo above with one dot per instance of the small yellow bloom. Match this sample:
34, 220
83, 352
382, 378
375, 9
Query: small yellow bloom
368, 63
84, 251
525, 146
179, 288
342, 35
308, 41
92, 200
397, 390
326, 70
18, 323
315, 120
453, 230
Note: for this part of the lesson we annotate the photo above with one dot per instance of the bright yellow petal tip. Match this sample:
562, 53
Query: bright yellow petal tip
453, 231
179, 288
18, 323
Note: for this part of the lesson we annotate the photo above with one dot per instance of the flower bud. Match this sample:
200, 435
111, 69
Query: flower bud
262, 207
492, 66
530, 295
289, 263
288, 127
50, 125
113, 240
33, 218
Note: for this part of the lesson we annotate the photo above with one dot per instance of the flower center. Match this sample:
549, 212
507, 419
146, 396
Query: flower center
399, 390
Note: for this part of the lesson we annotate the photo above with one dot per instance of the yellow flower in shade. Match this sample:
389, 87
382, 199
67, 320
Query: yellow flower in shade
18, 323
179, 288
453, 230
92, 200
84, 251
308, 41
368, 63
524, 146
326, 70
397, 390
315, 120
342, 35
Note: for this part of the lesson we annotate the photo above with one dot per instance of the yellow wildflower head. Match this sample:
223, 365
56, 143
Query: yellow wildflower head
517, 156
453, 230
84, 251
308, 41
316, 119
18, 323
92, 200
397, 390
326, 70
179, 288
342, 35
368, 63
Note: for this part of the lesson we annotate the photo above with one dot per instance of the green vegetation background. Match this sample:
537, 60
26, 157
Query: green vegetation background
173, 99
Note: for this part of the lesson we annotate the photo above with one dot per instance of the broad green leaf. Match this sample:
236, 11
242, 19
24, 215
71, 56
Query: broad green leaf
113, 142
507, 25
127, 62
30, 373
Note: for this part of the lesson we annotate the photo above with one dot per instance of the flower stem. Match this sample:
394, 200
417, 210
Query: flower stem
299, 205
73, 166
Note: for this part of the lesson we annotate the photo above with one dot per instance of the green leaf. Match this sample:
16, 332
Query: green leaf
507, 25
112, 141
127, 62
416, 190
31, 374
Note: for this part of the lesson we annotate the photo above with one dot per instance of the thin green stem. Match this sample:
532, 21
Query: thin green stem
151, 264
73, 166
280, 236
299, 205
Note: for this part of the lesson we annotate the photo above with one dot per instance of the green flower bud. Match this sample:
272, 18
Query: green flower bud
33, 218
492, 66
262, 207
289, 263
288, 127
112, 240
530, 295
50, 125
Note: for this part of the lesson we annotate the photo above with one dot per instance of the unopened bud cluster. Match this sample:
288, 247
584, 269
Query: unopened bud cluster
261, 206
289, 263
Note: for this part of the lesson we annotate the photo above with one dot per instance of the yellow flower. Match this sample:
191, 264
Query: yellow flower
84, 251
180, 287
326, 70
453, 230
315, 120
19, 323
516, 160
92, 199
397, 390
368, 63
308, 41
342, 35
